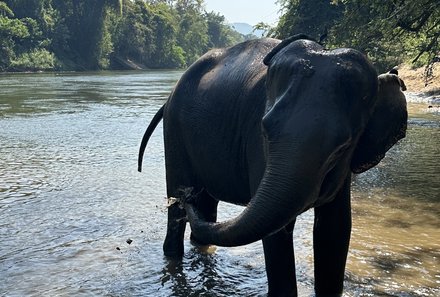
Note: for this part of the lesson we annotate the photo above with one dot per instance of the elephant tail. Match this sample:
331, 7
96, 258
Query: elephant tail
153, 124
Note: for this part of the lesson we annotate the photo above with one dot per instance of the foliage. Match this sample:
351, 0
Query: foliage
167, 53
391, 32
101, 34
84, 35
38, 59
5, 10
388, 31
312, 17
25, 28
192, 34
220, 34
10, 31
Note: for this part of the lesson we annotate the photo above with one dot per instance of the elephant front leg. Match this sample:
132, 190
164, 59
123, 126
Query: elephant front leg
280, 263
206, 207
331, 238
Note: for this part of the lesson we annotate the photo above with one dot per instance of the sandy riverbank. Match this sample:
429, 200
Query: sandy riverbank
415, 82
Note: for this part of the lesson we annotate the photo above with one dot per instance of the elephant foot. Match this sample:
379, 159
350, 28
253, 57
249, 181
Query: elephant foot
172, 249
282, 294
203, 248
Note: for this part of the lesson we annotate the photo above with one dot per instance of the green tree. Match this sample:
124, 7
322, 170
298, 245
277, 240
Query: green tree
311, 17
39, 10
36, 59
146, 34
11, 31
391, 31
5, 11
193, 30
134, 33
96, 34
167, 52
219, 33
87, 35
388, 31
23, 44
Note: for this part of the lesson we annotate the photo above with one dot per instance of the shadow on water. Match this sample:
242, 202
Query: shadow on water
396, 267
394, 282
198, 277
220, 274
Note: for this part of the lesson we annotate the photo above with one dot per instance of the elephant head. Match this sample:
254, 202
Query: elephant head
323, 116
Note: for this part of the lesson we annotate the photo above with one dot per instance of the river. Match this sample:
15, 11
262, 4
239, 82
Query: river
71, 201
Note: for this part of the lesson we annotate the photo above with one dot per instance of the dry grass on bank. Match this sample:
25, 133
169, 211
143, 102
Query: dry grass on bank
415, 81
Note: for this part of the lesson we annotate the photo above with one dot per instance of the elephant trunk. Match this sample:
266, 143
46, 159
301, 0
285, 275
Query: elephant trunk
287, 188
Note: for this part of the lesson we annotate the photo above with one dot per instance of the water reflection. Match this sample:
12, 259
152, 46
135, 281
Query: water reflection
70, 197
395, 241
394, 244
48, 92
411, 168
200, 271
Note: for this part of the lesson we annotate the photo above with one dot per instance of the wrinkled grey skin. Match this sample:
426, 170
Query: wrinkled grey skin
280, 137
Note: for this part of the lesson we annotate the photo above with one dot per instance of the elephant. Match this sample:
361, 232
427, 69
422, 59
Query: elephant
278, 127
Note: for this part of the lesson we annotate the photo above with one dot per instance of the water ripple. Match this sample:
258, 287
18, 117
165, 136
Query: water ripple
70, 198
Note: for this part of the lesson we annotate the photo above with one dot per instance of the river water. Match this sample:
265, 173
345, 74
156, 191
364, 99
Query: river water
71, 198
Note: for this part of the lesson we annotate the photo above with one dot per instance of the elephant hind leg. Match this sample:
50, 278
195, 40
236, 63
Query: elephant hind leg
180, 181
173, 244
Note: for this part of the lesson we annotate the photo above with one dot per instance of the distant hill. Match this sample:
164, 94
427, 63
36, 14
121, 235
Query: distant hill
246, 29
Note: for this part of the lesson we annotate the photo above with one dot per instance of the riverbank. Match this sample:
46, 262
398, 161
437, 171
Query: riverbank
414, 78
415, 81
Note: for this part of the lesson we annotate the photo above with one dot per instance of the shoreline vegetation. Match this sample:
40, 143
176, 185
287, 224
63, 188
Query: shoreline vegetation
414, 78
87, 35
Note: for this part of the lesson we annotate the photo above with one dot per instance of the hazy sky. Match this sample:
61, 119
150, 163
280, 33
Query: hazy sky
245, 11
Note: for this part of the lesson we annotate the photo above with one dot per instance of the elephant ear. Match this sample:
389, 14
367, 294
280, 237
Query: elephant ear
283, 44
402, 84
386, 126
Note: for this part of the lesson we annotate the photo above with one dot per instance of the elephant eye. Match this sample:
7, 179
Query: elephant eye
302, 67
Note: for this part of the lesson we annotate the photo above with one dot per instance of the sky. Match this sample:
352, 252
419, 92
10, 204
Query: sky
245, 11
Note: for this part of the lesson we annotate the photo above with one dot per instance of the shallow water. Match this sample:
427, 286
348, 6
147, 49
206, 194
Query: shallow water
70, 198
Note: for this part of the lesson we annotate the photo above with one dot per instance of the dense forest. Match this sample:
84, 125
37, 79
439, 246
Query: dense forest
107, 34
129, 34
